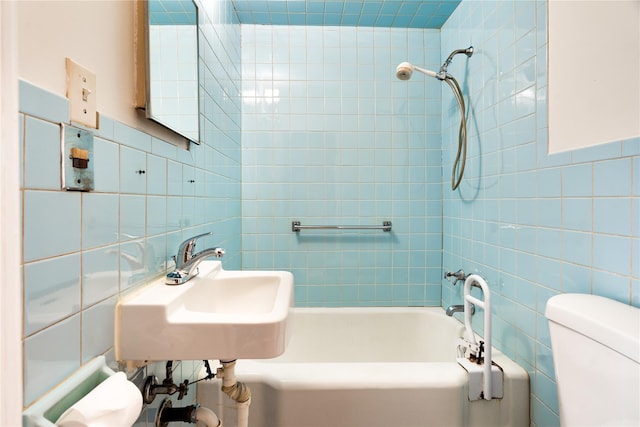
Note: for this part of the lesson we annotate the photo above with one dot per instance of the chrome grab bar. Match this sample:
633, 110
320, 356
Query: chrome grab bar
297, 227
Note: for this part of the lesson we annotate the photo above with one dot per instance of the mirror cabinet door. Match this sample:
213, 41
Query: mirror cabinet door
171, 59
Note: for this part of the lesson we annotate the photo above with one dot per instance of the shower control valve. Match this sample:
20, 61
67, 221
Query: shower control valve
459, 276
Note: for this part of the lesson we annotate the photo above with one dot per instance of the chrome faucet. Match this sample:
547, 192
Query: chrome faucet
452, 309
187, 260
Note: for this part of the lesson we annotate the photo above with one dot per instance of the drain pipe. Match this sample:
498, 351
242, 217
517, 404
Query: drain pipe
208, 417
188, 414
237, 391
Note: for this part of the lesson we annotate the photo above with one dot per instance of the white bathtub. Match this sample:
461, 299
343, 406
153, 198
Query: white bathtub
353, 367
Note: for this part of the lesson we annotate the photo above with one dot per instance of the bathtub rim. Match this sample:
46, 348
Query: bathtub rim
276, 375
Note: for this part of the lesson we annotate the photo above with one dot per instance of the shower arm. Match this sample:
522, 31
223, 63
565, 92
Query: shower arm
442, 74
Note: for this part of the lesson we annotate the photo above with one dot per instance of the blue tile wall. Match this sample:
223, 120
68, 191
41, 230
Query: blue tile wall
331, 137
82, 250
544, 224
370, 13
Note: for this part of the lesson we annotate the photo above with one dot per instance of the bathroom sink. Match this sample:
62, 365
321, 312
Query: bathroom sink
218, 314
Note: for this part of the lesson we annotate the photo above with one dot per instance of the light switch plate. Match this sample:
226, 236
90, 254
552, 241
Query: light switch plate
76, 176
81, 92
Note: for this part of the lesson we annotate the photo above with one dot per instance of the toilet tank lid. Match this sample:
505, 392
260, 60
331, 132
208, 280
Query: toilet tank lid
606, 321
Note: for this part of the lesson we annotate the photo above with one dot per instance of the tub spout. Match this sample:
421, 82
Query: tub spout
452, 309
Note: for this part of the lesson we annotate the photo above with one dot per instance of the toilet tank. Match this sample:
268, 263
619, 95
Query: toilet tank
596, 353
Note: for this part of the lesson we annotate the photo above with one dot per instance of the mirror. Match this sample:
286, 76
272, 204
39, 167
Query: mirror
167, 54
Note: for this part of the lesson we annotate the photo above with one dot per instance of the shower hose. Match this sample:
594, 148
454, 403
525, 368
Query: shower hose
461, 156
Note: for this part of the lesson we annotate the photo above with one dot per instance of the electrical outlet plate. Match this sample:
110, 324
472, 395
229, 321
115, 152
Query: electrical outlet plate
81, 92
78, 177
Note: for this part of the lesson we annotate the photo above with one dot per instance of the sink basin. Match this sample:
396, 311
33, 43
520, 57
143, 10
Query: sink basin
218, 314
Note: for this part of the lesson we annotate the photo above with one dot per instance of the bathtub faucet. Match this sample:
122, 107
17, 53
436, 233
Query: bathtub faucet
452, 309
187, 260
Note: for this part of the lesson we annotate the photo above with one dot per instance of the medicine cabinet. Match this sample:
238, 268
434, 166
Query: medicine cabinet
167, 88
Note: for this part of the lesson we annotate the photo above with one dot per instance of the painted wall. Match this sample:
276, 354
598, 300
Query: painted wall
595, 79
533, 225
331, 137
83, 250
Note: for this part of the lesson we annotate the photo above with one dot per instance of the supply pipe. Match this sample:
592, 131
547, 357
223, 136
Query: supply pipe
237, 391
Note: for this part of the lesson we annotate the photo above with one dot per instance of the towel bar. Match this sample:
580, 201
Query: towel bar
297, 227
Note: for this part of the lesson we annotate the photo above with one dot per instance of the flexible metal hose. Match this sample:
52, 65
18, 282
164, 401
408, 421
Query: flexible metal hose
459, 163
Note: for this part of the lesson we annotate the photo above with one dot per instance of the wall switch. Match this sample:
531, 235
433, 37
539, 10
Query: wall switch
81, 92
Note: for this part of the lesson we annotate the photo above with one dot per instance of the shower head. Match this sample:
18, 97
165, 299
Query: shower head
405, 70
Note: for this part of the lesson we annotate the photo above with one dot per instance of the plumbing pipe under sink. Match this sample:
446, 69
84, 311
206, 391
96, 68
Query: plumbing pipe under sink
189, 414
237, 391
208, 417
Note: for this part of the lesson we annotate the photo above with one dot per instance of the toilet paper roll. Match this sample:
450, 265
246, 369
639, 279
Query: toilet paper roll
116, 402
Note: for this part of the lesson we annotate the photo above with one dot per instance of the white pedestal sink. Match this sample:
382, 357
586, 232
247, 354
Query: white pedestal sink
218, 314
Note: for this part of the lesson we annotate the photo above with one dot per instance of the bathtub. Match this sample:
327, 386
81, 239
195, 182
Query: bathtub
357, 367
